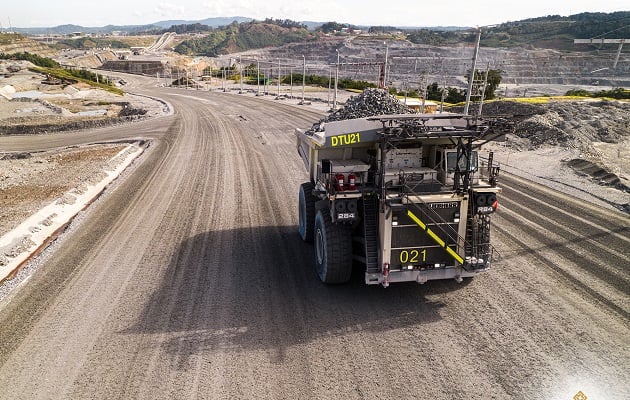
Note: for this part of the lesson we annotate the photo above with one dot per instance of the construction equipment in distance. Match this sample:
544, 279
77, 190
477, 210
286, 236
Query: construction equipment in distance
403, 195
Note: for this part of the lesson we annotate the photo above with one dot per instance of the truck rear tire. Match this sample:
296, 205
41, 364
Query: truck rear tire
306, 212
333, 249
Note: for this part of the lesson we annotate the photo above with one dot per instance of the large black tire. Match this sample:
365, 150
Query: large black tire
333, 249
306, 212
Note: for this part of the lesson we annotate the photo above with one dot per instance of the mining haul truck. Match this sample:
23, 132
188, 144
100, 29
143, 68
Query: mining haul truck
403, 195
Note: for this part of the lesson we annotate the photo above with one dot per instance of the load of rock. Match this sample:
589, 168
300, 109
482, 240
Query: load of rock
369, 103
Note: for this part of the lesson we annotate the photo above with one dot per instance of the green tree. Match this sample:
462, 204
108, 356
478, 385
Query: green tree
454, 95
451, 95
330, 27
493, 82
434, 92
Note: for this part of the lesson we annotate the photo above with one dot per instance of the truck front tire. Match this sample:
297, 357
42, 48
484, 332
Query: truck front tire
333, 249
306, 212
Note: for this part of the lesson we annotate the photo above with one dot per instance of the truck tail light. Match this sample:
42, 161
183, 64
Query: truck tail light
493, 201
351, 181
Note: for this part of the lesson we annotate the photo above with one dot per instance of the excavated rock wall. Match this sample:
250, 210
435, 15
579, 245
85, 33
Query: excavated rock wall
135, 67
409, 62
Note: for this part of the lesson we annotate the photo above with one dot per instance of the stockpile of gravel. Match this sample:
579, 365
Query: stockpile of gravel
511, 108
367, 104
569, 124
576, 123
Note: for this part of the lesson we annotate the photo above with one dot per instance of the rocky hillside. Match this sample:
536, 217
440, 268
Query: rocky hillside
409, 61
13, 43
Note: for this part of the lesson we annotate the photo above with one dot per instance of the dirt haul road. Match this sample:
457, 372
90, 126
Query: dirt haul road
189, 280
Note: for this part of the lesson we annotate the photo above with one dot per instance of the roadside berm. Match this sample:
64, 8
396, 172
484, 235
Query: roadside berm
23, 235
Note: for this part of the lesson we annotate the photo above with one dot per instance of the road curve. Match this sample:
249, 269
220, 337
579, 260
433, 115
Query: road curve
188, 280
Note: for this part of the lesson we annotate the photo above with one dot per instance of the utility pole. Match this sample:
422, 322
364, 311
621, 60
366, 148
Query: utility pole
329, 80
257, 78
406, 83
386, 56
443, 96
303, 77
483, 90
336, 79
265, 82
423, 89
240, 73
278, 78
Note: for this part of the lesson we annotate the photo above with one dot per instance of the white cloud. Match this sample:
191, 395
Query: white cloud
170, 11
215, 9
244, 8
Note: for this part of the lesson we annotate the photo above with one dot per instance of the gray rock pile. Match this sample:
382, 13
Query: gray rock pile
369, 103
567, 124
577, 124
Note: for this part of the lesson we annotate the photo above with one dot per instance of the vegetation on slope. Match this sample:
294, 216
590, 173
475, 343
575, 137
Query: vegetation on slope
8, 38
33, 58
244, 36
90, 43
552, 31
79, 75
187, 28
47, 66
618, 93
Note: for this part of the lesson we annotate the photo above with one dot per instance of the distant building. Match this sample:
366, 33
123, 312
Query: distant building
430, 107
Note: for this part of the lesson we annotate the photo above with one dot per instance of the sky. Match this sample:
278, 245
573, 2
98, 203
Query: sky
50, 13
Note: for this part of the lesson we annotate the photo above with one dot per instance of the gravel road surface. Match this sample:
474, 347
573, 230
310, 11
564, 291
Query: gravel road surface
188, 280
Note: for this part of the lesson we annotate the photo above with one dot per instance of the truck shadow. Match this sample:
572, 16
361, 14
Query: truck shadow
244, 289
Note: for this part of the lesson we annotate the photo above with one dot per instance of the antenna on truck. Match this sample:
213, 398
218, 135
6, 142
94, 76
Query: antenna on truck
471, 77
